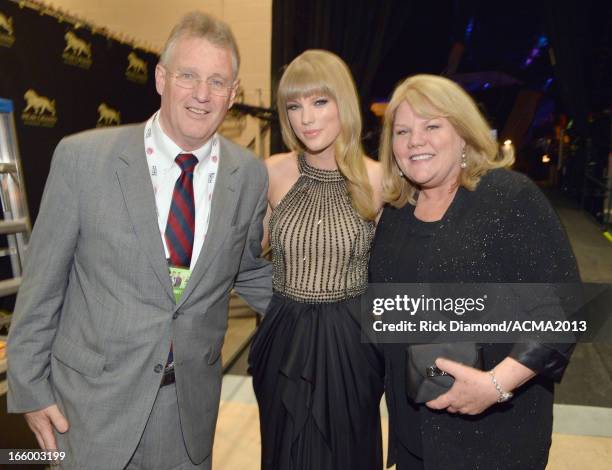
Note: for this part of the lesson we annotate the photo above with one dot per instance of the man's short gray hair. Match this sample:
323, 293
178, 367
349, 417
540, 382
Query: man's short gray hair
202, 25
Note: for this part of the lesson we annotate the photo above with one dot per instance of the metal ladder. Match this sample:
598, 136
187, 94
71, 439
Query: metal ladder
15, 223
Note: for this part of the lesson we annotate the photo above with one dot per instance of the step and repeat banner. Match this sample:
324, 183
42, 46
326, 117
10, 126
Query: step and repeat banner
64, 78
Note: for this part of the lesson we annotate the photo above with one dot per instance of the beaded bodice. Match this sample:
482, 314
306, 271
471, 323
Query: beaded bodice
320, 245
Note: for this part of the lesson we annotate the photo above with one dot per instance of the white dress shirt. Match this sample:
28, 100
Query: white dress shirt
165, 171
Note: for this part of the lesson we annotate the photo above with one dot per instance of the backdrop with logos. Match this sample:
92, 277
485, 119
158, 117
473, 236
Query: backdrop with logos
64, 77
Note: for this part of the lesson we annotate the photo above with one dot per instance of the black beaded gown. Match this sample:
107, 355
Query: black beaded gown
317, 385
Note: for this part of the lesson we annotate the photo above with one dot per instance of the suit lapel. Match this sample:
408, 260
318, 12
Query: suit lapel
224, 200
135, 183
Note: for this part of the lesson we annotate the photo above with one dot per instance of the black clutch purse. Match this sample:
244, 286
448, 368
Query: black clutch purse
424, 381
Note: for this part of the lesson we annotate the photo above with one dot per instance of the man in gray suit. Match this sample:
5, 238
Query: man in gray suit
110, 360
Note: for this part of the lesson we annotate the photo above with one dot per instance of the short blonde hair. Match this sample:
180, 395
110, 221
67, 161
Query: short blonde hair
321, 72
204, 26
431, 96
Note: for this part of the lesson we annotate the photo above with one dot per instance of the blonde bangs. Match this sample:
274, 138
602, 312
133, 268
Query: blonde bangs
303, 80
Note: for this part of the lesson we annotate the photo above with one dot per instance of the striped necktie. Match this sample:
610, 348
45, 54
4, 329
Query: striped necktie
181, 218
181, 221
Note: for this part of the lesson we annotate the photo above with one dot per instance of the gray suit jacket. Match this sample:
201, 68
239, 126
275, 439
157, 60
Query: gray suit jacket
95, 315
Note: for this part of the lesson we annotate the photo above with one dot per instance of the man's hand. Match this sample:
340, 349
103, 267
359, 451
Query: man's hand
43, 421
471, 393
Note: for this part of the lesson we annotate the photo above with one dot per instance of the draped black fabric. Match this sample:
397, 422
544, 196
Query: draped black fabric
579, 33
361, 32
566, 24
318, 387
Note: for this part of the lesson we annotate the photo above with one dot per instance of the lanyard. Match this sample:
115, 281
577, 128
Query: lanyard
207, 175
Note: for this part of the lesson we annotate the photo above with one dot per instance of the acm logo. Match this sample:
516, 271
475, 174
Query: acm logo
137, 69
108, 116
7, 31
77, 51
39, 110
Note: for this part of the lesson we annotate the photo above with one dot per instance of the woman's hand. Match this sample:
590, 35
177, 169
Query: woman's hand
471, 393
473, 390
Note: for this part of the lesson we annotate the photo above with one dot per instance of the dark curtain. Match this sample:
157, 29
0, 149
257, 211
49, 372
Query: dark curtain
361, 32
567, 24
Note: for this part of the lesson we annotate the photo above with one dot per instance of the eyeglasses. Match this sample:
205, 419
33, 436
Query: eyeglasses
189, 81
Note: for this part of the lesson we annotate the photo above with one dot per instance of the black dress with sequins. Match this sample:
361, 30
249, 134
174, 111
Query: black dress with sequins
504, 231
317, 385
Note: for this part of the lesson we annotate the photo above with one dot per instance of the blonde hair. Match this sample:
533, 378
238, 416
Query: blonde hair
203, 26
320, 72
431, 96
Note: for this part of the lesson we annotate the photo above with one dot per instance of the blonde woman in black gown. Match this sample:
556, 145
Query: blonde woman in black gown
318, 387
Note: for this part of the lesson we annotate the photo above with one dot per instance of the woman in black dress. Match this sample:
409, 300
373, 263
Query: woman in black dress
317, 385
458, 215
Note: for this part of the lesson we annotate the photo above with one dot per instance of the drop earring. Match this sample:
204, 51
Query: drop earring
463, 164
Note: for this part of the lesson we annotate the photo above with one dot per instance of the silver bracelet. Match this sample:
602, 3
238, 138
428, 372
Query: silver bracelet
502, 395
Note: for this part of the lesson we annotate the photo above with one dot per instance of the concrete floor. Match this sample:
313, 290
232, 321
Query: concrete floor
593, 251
